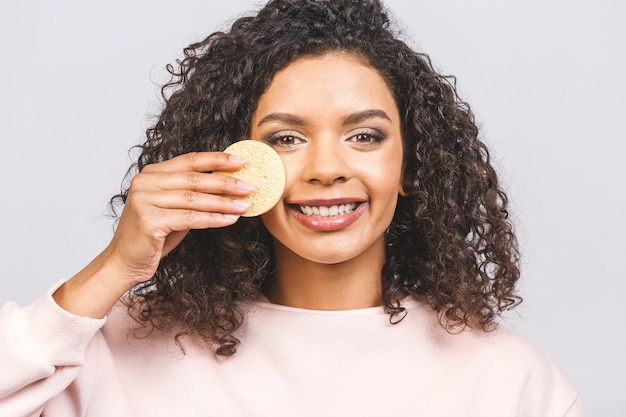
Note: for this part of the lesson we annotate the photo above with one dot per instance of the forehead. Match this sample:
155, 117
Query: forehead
328, 83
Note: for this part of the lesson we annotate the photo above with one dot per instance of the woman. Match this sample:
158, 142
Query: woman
376, 279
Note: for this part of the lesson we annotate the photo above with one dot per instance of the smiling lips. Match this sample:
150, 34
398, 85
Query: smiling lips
328, 217
328, 211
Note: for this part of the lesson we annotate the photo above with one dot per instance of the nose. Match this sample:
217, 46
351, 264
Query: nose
326, 162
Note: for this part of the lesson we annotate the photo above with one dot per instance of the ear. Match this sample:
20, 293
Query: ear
405, 185
402, 184
401, 191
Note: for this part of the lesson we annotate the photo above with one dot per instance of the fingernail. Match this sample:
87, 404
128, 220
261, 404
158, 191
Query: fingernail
246, 186
241, 204
230, 216
236, 159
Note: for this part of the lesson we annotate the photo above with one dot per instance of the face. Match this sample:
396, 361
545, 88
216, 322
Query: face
336, 126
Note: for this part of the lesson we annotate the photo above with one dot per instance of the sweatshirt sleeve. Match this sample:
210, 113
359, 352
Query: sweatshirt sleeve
576, 410
546, 391
42, 348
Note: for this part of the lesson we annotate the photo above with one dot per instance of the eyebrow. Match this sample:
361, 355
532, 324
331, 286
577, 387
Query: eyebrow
365, 115
350, 119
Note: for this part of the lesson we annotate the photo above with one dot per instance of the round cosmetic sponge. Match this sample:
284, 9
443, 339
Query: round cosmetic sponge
264, 169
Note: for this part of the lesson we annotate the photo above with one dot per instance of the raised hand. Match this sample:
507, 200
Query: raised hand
165, 201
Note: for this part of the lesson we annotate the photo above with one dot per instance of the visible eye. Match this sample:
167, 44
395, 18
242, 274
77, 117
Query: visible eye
283, 139
367, 137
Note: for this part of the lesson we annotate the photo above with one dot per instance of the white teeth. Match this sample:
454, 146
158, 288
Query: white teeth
328, 211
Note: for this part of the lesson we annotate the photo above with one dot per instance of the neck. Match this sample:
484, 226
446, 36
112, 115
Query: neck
349, 285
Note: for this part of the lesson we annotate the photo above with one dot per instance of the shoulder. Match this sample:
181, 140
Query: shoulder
507, 365
543, 385
501, 345
501, 350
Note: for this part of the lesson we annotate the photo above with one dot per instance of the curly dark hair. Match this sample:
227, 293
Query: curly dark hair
450, 243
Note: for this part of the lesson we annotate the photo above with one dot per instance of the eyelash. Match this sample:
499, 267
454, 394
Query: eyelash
375, 137
276, 138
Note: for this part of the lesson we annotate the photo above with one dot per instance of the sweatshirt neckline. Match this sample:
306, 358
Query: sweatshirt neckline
408, 302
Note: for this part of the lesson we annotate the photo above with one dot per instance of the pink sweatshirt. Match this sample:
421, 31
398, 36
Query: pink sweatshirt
291, 362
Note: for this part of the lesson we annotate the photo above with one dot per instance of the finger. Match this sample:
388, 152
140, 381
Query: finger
180, 220
198, 161
172, 241
191, 180
191, 200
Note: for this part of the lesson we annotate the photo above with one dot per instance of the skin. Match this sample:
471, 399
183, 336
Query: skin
165, 201
336, 126
336, 104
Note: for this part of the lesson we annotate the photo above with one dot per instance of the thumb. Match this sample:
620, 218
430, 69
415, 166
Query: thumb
173, 240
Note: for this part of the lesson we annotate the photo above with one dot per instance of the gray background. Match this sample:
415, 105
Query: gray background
545, 79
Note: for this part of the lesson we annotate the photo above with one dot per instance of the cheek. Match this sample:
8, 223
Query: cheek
277, 214
293, 175
383, 183
385, 175
274, 220
270, 220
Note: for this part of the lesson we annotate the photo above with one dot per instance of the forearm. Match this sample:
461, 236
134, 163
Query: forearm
94, 290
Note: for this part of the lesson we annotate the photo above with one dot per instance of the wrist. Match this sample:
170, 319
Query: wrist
93, 291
